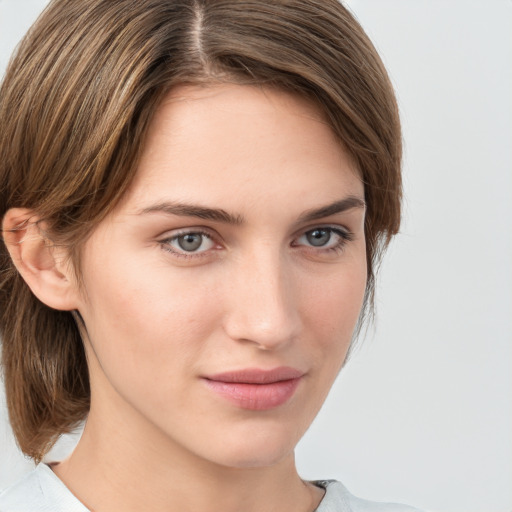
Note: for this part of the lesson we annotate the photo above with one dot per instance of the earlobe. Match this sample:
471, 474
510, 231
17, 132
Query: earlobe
42, 265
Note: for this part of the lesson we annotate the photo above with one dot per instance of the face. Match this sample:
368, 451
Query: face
220, 297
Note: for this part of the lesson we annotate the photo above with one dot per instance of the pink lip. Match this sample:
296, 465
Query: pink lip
256, 389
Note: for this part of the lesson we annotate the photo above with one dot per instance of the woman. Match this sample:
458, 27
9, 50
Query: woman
194, 197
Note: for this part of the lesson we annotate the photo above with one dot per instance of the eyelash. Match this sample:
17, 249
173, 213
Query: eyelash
168, 248
344, 237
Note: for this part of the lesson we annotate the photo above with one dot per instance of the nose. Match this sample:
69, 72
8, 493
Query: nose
263, 303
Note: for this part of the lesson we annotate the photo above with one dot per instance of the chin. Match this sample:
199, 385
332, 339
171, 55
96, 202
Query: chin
258, 449
253, 460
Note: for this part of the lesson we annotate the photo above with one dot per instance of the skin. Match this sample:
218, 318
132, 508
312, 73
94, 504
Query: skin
256, 294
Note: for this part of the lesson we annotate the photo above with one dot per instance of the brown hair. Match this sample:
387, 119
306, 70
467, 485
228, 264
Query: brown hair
75, 105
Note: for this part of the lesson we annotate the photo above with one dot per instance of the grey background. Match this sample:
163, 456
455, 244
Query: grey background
423, 412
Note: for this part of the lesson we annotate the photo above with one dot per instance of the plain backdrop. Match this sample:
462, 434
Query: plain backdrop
422, 414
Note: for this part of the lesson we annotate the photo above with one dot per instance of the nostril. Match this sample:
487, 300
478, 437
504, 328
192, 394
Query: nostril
268, 332
263, 306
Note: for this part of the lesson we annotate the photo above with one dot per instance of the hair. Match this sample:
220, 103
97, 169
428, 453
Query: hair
75, 105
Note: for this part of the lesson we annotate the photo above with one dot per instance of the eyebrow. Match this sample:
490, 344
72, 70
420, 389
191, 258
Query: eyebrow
191, 210
331, 209
220, 215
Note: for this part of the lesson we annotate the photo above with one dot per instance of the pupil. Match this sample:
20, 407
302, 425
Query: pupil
190, 241
319, 237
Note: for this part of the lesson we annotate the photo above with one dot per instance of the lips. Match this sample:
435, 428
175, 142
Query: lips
256, 389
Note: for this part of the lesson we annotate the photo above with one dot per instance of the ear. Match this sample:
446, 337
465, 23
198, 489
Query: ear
43, 266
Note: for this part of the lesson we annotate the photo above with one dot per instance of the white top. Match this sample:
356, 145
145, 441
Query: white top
42, 491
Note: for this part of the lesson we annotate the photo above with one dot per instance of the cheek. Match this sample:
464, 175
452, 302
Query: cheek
142, 318
332, 309
149, 334
336, 302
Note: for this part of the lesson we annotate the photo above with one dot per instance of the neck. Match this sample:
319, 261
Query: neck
108, 471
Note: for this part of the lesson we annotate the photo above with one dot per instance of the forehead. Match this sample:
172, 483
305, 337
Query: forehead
223, 142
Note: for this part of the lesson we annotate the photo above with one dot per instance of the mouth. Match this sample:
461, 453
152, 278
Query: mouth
256, 389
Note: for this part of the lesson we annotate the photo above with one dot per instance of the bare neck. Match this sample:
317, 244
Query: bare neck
109, 472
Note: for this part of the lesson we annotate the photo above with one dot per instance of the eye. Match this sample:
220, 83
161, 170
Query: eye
324, 238
188, 243
318, 237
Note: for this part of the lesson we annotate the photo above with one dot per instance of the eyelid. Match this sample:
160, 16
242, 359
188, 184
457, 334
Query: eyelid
336, 228
344, 234
164, 241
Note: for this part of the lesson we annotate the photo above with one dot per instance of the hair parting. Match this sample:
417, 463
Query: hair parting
75, 106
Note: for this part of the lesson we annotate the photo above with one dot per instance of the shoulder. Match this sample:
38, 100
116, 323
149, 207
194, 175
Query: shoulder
39, 491
338, 499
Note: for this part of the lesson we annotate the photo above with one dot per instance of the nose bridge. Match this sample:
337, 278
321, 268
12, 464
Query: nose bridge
263, 306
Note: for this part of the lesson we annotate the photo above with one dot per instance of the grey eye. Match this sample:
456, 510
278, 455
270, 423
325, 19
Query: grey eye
190, 242
318, 237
